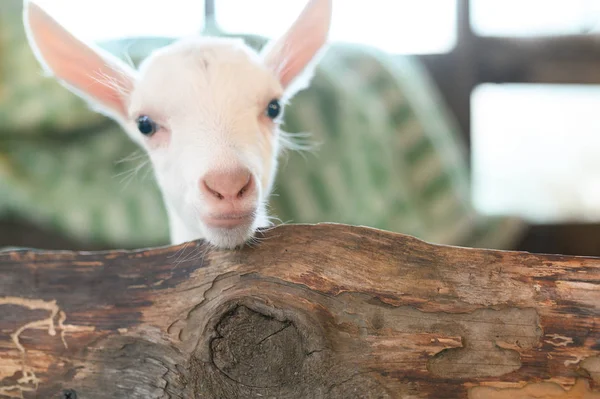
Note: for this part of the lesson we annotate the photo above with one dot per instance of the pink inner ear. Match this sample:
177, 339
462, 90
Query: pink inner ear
77, 64
296, 49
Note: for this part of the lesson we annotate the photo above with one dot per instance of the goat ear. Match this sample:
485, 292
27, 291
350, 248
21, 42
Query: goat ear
294, 56
91, 73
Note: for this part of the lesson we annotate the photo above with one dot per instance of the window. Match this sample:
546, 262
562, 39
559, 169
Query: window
535, 146
535, 151
534, 17
112, 19
398, 26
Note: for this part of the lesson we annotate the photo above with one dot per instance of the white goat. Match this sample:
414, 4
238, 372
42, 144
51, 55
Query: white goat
207, 111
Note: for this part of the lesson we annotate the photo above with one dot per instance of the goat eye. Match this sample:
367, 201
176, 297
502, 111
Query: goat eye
273, 109
146, 126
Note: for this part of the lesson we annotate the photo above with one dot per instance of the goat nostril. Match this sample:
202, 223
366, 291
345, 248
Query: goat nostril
214, 192
245, 188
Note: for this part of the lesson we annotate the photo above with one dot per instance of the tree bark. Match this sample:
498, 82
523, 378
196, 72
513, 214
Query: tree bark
311, 311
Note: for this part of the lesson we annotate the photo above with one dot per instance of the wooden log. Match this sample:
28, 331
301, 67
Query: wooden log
312, 311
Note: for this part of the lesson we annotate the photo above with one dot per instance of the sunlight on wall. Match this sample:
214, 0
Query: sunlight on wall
536, 151
112, 19
534, 17
399, 26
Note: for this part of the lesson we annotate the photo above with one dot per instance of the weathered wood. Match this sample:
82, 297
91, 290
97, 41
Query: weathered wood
312, 311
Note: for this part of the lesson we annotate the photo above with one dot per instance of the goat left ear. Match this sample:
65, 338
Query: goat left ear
91, 73
294, 56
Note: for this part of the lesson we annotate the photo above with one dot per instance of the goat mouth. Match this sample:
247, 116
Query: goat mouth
229, 220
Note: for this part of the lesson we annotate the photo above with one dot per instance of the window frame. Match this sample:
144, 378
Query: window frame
560, 59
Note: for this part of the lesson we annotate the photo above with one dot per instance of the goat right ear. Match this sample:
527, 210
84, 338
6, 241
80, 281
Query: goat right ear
95, 75
294, 56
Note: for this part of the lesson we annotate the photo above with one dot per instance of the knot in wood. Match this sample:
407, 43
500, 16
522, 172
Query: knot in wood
69, 394
257, 350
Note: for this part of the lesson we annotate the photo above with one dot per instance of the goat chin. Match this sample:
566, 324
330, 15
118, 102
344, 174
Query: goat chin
230, 238
235, 233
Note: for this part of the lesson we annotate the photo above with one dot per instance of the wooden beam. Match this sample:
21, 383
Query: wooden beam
561, 59
312, 311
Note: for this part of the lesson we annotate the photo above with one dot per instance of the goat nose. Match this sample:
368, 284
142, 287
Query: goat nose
227, 185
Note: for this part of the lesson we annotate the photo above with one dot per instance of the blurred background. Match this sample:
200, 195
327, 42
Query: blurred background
462, 122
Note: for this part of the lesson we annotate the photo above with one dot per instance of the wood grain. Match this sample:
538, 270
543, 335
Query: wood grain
312, 311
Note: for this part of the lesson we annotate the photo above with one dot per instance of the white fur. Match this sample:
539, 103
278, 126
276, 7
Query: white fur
209, 96
211, 110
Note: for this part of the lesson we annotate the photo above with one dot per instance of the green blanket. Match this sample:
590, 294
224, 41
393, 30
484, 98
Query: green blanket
390, 153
